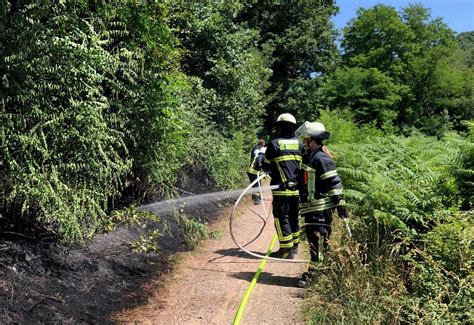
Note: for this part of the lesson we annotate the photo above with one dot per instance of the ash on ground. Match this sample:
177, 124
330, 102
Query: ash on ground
44, 282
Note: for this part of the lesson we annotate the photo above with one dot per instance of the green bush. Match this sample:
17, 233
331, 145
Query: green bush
370, 94
348, 290
440, 275
78, 105
148, 96
398, 182
221, 160
192, 230
64, 156
414, 259
463, 169
451, 245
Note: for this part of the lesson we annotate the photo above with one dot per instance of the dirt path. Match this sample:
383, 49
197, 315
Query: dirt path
209, 283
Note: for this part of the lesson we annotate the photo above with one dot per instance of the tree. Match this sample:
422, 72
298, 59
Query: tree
368, 93
466, 43
222, 53
410, 48
377, 38
298, 40
85, 99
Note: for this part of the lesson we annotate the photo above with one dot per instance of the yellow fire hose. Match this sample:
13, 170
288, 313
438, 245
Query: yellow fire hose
247, 293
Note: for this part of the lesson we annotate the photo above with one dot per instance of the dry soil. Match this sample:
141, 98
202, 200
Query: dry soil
209, 283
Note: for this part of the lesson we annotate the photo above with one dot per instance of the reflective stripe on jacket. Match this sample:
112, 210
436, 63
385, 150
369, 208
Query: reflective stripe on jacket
283, 160
318, 181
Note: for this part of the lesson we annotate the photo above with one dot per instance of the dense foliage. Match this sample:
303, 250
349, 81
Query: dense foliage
298, 41
227, 78
62, 157
117, 100
411, 61
412, 255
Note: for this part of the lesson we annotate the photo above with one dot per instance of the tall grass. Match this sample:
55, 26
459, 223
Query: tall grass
411, 255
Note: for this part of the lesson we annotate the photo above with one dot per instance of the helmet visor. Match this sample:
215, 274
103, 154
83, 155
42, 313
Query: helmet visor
303, 131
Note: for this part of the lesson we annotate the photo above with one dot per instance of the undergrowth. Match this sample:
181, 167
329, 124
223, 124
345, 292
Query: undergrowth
411, 256
193, 230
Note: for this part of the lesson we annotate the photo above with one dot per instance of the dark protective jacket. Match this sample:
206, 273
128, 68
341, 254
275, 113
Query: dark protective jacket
319, 184
255, 150
256, 163
283, 161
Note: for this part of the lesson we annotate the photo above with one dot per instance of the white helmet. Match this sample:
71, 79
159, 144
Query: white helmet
314, 130
286, 117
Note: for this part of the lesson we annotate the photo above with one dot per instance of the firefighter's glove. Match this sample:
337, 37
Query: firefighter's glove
341, 211
337, 200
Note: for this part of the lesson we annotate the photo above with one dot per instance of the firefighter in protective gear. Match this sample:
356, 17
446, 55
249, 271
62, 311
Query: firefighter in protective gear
282, 161
256, 159
256, 148
320, 191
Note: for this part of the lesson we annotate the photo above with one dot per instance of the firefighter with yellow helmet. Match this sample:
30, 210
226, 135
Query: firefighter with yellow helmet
282, 160
320, 191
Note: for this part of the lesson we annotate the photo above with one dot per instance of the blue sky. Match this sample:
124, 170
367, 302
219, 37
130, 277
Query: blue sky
457, 14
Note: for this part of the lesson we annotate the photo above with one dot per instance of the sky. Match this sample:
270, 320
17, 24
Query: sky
457, 14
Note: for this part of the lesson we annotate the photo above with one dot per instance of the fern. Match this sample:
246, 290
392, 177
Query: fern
398, 177
82, 109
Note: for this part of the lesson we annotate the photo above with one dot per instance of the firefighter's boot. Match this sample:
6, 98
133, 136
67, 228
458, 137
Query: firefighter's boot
285, 253
256, 198
295, 249
306, 279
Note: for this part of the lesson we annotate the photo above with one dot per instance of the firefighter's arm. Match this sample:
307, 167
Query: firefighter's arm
332, 180
339, 203
258, 162
270, 153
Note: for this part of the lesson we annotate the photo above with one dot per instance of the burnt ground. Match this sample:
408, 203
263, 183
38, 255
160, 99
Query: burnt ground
44, 282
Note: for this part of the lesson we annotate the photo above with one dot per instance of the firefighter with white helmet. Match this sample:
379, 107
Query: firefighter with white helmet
282, 160
256, 159
320, 191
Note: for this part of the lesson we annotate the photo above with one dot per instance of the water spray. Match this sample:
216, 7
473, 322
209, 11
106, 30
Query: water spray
164, 206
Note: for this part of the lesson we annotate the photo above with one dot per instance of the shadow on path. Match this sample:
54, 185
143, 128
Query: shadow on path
268, 278
234, 252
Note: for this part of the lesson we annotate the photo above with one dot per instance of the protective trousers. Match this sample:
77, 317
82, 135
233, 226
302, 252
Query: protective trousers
318, 225
285, 213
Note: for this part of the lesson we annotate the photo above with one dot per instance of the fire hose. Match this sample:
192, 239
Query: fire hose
259, 178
